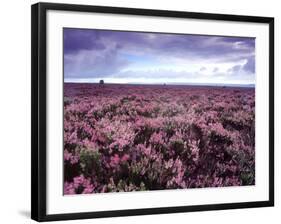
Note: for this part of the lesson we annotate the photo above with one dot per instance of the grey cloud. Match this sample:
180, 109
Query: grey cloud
216, 69
234, 69
250, 65
203, 69
90, 53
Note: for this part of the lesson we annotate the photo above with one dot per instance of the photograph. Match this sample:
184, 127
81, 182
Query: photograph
146, 111
140, 111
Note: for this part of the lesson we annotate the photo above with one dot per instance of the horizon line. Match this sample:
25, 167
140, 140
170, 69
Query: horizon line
163, 84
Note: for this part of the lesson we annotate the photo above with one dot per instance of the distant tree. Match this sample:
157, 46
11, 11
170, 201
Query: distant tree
101, 82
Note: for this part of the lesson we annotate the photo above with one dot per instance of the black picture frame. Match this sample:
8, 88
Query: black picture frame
39, 107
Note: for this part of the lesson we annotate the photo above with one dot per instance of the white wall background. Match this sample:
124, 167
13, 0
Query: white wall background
15, 110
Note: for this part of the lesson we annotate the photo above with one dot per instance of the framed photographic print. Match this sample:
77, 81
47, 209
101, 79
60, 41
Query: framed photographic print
140, 111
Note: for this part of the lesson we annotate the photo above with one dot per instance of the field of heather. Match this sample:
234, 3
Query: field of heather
149, 137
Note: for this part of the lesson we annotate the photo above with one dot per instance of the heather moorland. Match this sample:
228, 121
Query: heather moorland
156, 137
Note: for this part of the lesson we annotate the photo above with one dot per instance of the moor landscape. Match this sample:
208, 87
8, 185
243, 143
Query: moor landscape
134, 137
156, 111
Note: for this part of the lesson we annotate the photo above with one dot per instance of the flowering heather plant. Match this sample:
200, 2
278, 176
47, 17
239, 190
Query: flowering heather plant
137, 137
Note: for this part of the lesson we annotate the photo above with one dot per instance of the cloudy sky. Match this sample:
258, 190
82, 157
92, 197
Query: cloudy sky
137, 57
